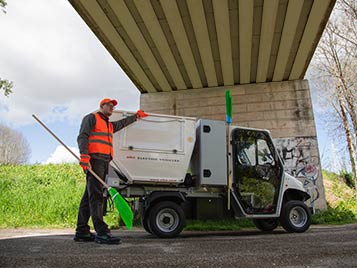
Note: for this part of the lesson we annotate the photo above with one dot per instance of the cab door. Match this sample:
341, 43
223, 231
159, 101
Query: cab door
257, 171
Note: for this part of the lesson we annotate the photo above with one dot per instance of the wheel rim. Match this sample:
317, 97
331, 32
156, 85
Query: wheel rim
298, 216
167, 220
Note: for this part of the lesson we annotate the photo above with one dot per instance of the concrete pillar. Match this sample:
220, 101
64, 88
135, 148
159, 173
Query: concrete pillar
284, 108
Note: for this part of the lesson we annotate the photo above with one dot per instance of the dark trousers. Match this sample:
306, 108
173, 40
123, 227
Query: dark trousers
92, 203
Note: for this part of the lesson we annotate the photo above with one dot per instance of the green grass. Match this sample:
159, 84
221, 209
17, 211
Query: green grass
48, 196
42, 196
341, 200
334, 216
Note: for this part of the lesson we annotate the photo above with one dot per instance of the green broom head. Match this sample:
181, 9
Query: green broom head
122, 206
229, 108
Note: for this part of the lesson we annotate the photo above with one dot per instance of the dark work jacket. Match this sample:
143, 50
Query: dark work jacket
87, 126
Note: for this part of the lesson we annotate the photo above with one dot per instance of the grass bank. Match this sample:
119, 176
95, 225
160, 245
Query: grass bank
47, 196
341, 201
41, 196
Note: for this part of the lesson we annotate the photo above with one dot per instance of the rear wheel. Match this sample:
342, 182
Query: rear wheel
146, 224
166, 219
295, 217
266, 225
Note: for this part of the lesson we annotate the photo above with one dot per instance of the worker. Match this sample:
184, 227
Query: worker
95, 142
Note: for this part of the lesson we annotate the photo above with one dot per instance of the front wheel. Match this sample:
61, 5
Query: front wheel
166, 219
295, 217
266, 225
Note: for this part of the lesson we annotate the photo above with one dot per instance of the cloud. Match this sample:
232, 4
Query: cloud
61, 155
59, 68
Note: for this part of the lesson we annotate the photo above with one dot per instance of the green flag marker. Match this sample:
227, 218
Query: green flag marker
228, 107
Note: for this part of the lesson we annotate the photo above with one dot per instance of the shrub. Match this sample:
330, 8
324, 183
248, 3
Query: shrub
348, 179
338, 215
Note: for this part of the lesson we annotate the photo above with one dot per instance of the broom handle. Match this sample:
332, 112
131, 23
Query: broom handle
69, 150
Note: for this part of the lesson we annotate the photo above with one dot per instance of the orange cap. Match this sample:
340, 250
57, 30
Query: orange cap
107, 100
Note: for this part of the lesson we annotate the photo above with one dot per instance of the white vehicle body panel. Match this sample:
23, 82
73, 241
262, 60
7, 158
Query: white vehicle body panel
155, 149
291, 182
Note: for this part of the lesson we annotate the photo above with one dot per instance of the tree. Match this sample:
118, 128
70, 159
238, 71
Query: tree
5, 84
14, 148
335, 61
3, 5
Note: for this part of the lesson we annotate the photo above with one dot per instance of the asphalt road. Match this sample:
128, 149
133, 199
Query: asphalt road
334, 246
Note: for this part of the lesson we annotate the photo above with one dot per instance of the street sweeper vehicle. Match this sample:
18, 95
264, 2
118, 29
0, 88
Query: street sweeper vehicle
179, 168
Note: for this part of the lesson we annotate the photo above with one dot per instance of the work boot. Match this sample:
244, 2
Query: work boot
84, 237
107, 239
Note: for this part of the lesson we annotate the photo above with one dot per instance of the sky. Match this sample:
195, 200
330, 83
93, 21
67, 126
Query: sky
60, 71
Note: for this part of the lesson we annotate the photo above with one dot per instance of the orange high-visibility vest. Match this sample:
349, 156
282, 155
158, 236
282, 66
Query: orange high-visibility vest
100, 141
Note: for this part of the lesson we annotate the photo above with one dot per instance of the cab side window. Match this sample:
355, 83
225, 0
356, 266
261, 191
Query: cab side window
256, 171
265, 156
247, 152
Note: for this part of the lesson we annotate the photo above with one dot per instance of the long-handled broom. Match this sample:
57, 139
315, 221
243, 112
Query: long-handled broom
228, 123
121, 205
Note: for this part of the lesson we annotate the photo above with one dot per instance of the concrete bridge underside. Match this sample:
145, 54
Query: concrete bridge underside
183, 54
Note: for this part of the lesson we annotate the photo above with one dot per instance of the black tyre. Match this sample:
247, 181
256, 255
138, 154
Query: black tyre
166, 219
146, 224
295, 217
266, 225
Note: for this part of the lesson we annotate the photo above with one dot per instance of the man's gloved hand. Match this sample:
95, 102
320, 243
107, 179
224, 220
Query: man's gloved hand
84, 161
141, 114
